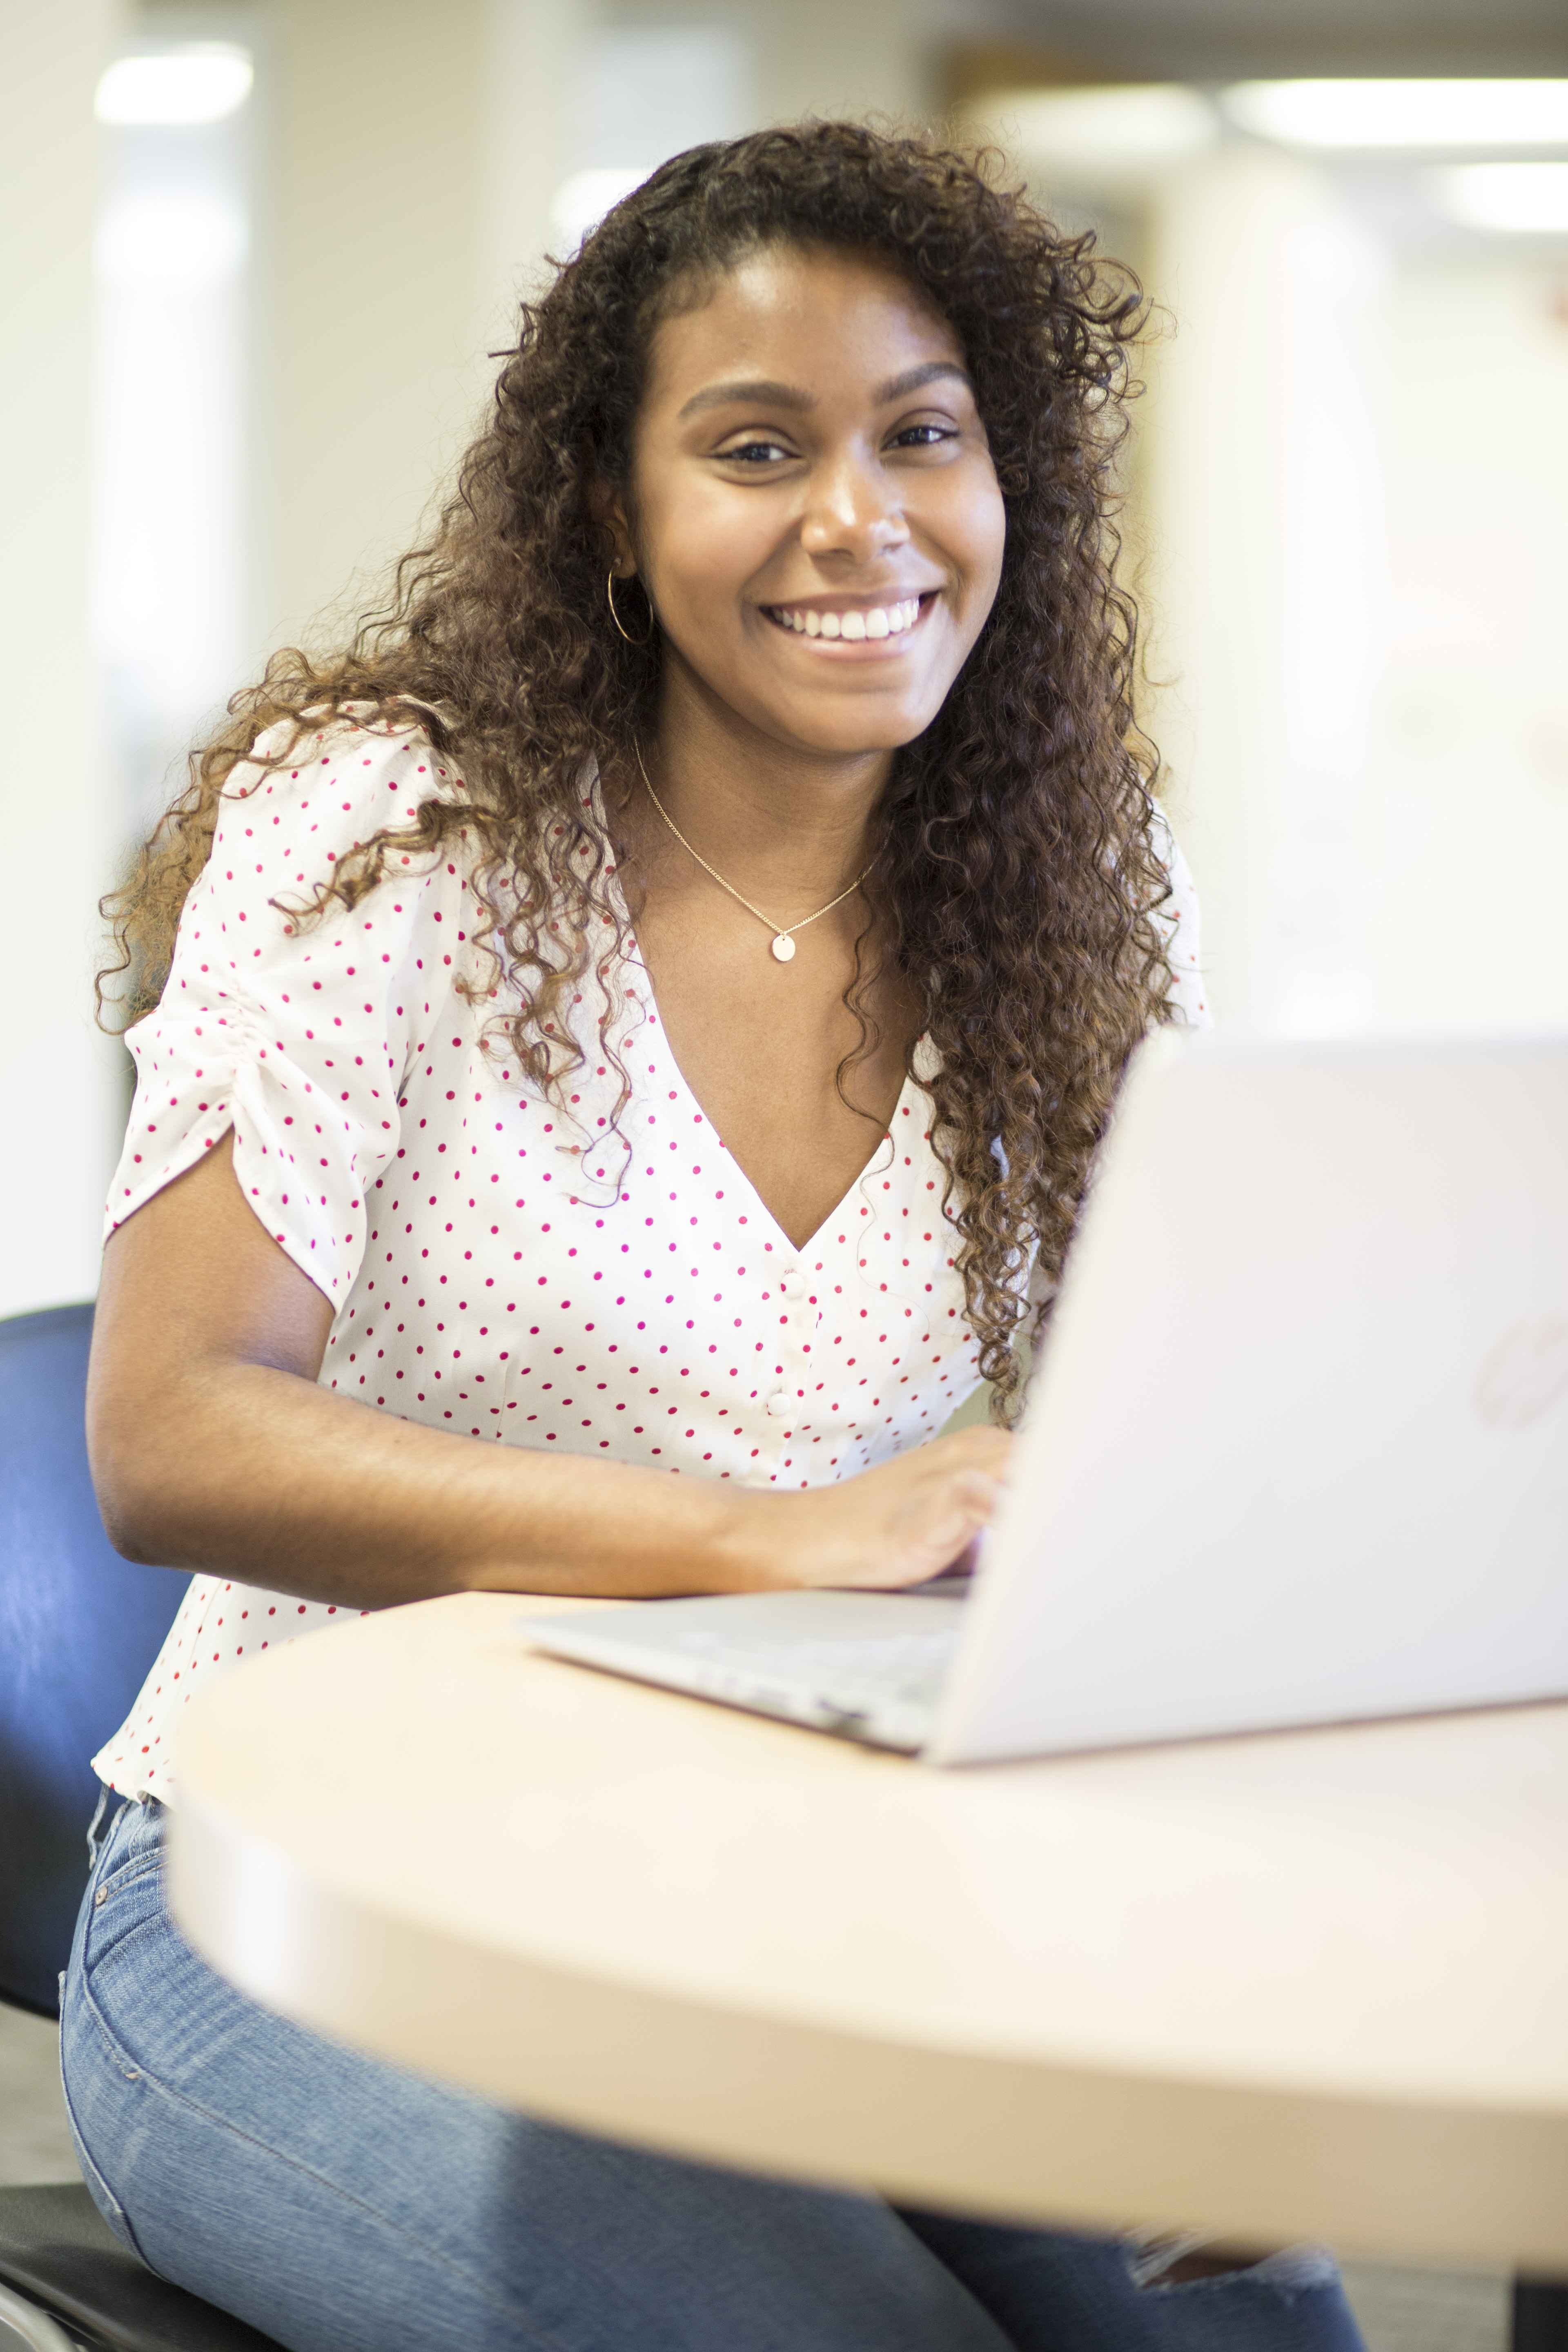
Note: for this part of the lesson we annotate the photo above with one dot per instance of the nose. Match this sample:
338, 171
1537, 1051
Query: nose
852, 508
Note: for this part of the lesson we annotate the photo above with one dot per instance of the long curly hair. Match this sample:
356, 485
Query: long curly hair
1017, 876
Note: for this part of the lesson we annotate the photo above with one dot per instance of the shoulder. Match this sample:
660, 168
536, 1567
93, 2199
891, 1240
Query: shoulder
348, 762
1183, 898
306, 798
1179, 918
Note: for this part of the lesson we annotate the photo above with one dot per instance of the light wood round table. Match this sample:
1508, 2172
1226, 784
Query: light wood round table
1311, 1985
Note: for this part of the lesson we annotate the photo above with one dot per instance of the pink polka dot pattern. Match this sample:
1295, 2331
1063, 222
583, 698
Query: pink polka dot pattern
515, 1271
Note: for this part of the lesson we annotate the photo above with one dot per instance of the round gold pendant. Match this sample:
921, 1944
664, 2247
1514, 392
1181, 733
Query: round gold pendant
783, 947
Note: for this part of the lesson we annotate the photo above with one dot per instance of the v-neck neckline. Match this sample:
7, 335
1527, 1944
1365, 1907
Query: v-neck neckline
795, 1249
634, 955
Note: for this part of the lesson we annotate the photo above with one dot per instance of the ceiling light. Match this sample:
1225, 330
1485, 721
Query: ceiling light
199, 82
1085, 135
1403, 113
1509, 196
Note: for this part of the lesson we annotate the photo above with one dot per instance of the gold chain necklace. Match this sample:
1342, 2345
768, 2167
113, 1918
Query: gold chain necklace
783, 941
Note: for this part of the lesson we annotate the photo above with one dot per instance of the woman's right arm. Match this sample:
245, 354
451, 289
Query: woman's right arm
214, 1448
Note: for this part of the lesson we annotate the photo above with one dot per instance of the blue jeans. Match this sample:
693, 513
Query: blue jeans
342, 2205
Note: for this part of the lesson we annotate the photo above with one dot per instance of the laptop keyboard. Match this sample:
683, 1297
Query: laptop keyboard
905, 1667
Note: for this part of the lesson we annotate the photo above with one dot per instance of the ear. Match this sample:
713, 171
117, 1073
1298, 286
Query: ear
608, 508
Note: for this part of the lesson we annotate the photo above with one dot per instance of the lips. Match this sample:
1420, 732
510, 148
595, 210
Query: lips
853, 626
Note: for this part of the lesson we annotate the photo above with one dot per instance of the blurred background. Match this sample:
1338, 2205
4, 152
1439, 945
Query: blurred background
254, 258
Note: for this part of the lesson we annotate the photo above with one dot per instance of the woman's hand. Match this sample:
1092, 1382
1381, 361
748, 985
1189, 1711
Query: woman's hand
894, 1526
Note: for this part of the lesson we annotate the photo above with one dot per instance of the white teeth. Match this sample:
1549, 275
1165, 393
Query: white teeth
878, 621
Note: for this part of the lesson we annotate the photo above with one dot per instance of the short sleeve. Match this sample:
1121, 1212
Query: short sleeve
298, 1034
1179, 920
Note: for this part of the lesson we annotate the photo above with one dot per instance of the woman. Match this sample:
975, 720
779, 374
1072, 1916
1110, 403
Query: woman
649, 1009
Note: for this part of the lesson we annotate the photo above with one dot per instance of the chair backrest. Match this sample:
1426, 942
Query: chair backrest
78, 1629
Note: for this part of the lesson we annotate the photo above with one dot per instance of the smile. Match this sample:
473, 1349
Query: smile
854, 627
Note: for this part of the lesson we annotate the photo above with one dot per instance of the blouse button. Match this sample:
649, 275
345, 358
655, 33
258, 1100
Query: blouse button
793, 1284
781, 1404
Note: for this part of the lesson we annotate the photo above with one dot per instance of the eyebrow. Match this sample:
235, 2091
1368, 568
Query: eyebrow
767, 392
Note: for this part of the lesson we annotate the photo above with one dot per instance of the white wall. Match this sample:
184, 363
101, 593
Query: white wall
1353, 485
1465, 847
58, 1077
372, 317
1259, 462
173, 625
537, 52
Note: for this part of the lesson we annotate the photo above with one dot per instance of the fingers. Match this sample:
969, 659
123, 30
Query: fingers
940, 1525
970, 1502
899, 1524
982, 1492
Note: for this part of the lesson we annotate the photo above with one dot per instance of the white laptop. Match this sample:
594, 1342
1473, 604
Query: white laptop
1297, 1451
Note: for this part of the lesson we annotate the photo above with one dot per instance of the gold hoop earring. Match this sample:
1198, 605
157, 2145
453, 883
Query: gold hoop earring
610, 600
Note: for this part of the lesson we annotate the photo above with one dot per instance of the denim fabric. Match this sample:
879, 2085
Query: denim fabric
343, 2206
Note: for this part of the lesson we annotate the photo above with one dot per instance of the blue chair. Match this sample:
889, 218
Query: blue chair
78, 1629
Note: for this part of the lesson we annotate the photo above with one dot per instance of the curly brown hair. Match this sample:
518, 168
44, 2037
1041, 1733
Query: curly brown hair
1017, 872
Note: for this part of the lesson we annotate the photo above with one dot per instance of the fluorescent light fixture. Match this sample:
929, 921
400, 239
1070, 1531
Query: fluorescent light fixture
1403, 113
200, 81
1115, 133
1532, 197
581, 203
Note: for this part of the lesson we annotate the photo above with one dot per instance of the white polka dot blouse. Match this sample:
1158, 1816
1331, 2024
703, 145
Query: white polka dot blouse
562, 1276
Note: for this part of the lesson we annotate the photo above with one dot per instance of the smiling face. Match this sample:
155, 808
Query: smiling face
813, 509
